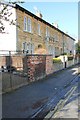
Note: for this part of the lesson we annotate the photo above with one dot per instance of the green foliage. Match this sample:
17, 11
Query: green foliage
77, 48
56, 60
64, 54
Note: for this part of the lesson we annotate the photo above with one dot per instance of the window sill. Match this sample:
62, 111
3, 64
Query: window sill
27, 31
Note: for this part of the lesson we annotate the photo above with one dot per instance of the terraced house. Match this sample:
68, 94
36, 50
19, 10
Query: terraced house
35, 36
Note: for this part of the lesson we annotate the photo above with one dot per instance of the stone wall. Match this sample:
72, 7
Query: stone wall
2, 60
12, 81
29, 68
57, 66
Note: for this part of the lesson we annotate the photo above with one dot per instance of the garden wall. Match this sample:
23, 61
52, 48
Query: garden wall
29, 68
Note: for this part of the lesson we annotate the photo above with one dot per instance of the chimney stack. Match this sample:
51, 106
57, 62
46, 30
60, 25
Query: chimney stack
39, 14
55, 24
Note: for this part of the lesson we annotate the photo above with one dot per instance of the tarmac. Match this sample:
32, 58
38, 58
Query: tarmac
69, 107
26, 101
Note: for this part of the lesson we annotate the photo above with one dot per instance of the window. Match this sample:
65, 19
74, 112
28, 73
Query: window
27, 24
47, 32
50, 49
57, 51
39, 29
32, 48
28, 48
24, 47
55, 37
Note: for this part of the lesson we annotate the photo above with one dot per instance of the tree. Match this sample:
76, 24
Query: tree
5, 13
77, 48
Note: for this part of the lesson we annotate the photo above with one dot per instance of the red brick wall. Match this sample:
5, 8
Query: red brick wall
36, 66
49, 65
17, 61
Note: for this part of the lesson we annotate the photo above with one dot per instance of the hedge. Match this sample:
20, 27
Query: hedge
56, 60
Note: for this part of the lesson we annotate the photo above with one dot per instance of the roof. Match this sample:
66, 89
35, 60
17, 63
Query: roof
40, 19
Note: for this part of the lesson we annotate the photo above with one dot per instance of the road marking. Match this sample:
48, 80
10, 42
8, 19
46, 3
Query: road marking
61, 103
49, 102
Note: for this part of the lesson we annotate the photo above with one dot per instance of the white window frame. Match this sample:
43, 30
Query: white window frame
27, 24
33, 48
47, 32
24, 46
56, 38
28, 47
39, 30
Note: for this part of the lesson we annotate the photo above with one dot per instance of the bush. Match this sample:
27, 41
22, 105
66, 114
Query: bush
64, 54
56, 60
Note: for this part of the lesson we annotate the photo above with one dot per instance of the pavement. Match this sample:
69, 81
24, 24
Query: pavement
27, 100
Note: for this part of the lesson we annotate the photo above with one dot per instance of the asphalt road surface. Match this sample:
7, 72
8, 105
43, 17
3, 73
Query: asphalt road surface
25, 102
68, 106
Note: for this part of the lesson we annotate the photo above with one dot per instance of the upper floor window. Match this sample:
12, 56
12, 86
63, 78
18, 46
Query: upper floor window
27, 24
39, 32
47, 32
56, 37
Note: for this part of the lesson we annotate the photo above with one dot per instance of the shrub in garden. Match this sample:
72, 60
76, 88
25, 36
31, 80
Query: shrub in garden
56, 60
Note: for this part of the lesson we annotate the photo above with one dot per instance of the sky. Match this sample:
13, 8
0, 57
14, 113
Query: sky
64, 13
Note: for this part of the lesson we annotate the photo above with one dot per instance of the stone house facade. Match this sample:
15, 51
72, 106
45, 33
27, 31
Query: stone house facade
34, 33
36, 36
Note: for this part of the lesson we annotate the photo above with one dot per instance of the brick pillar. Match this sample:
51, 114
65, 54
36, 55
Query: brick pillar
49, 64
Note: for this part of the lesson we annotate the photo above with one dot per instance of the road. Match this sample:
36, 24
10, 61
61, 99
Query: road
68, 106
27, 101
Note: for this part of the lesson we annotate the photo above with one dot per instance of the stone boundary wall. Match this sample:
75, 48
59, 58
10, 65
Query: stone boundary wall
29, 68
12, 81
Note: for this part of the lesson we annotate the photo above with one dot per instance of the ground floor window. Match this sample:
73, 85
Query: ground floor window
28, 48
